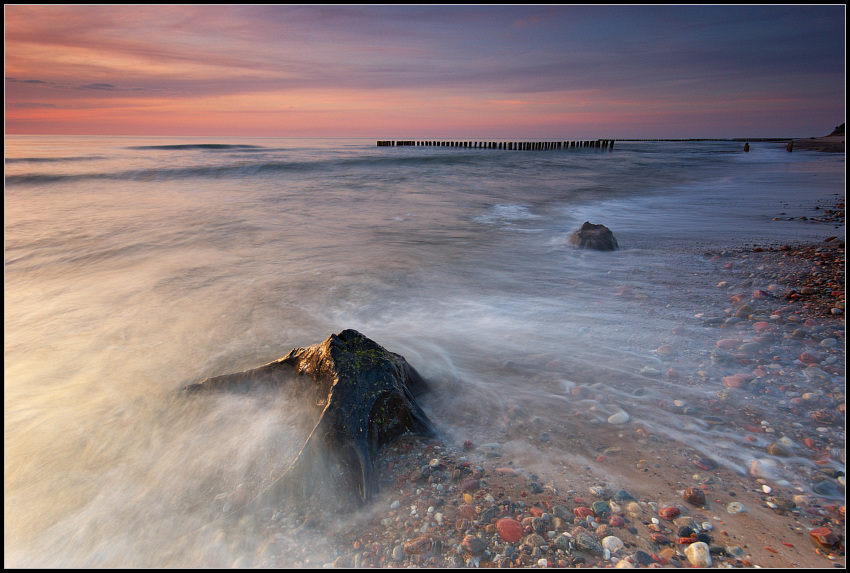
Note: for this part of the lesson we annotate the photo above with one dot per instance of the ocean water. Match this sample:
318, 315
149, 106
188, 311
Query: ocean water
136, 265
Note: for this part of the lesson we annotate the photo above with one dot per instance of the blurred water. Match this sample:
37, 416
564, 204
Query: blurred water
136, 265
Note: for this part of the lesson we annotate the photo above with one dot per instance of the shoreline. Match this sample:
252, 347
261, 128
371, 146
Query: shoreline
829, 143
511, 504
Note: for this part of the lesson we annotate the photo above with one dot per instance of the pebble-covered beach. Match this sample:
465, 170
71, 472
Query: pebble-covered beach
776, 337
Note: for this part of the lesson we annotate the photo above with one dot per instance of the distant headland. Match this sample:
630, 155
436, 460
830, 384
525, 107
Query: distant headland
834, 142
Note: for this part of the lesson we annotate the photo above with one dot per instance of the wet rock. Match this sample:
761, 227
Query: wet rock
694, 496
778, 450
643, 558
469, 484
736, 507
764, 468
585, 542
826, 489
824, 538
418, 546
620, 417
600, 508
473, 545
597, 237
613, 544
509, 529
668, 512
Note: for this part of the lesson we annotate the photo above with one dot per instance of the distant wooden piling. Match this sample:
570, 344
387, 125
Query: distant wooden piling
790, 147
505, 145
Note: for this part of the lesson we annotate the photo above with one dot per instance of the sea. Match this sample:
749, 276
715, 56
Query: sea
137, 265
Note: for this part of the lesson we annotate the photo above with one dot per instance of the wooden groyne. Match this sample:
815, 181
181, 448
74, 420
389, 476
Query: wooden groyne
508, 145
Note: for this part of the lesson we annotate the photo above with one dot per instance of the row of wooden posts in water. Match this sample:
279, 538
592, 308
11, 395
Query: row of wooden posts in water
516, 145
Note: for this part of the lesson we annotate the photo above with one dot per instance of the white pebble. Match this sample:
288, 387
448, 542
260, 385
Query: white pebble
395, 504
766, 488
707, 526
620, 417
542, 562
697, 553
655, 520
613, 544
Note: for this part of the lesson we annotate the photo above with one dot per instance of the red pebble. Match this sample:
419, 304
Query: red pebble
536, 511
510, 530
660, 538
468, 445
687, 540
734, 381
583, 512
824, 538
668, 512
809, 358
786, 544
616, 521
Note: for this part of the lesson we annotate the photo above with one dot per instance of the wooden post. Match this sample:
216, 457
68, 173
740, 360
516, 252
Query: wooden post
790, 147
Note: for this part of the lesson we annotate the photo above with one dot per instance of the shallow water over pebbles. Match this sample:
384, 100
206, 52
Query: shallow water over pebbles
134, 266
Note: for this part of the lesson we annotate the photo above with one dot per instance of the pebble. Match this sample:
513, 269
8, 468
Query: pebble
509, 529
620, 417
694, 496
764, 468
473, 545
613, 544
736, 507
824, 538
585, 542
698, 554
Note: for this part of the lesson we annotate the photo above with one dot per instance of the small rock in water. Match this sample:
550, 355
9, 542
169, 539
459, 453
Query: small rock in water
736, 507
620, 417
764, 468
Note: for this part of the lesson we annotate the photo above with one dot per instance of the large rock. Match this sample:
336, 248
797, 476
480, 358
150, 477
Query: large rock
363, 393
598, 237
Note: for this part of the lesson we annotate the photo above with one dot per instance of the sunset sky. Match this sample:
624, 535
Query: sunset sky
560, 72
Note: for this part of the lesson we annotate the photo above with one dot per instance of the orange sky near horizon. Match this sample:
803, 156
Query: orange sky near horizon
420, 72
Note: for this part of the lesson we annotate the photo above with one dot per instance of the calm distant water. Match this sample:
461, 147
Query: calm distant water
136, 265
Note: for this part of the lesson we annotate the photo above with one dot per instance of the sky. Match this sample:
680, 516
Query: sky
425, 72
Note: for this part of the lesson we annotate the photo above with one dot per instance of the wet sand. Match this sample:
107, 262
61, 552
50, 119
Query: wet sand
541, 496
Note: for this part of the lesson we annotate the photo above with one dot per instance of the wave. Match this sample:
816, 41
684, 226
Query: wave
203, 146
52, 159
238, 169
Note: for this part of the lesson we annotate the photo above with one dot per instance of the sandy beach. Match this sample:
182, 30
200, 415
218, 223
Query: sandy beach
630, 497
829, 143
